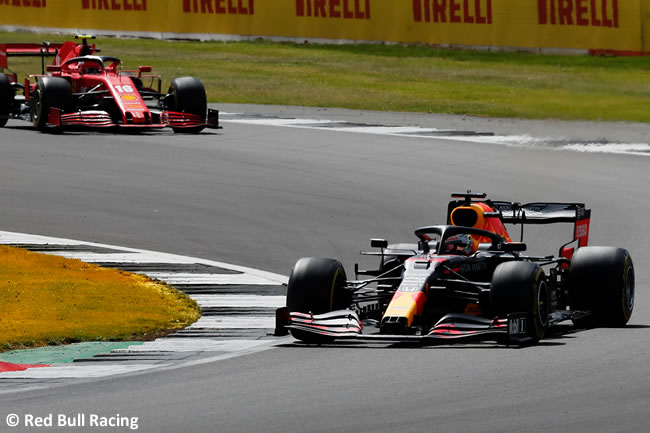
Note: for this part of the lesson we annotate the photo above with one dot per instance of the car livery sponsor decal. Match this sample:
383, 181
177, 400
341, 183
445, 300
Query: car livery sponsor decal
582, 232
473, 267
517, 326
129, 97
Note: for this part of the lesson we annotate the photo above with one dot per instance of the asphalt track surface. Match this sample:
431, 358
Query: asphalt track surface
264, 196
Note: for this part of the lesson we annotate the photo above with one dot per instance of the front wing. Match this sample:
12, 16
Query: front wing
452, 328
101, 119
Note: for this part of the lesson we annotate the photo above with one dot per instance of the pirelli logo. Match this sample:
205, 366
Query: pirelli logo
453, 11
25, 3
115, 5
345, 9
222, 7
588, 13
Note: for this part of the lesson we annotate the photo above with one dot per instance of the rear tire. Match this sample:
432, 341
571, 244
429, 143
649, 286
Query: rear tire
316, 287
601, 280
188, 96
50, 92
6, 99
521, 287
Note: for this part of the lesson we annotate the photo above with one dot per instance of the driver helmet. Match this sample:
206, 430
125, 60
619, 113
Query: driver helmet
89, 68
462, 244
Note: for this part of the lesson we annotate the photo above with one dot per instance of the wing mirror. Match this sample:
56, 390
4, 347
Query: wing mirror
379, 243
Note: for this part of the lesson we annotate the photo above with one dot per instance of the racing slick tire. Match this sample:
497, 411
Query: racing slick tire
520, 287
316, 287
6, 99
601, 280
50, 92
188, 96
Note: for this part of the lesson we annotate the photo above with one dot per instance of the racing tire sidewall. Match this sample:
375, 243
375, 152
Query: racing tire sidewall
601, 280
316, 287
50, 92
6, 99
188, 96
521, 287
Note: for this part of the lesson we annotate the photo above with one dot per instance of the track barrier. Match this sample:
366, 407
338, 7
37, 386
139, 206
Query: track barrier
599, 25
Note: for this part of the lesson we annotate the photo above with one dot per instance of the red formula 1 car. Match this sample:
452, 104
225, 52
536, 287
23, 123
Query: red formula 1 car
83, 89
464, 281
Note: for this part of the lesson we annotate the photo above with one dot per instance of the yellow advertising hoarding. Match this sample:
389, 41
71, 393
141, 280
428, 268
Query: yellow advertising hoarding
579, 24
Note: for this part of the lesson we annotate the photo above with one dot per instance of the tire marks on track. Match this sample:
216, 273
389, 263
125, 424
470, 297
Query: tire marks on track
524, 140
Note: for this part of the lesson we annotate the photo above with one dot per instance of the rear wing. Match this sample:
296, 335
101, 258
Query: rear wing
547, 213
517, 213
43, 50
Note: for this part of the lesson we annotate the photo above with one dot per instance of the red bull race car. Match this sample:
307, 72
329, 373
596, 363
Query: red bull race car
81, 88
464, 281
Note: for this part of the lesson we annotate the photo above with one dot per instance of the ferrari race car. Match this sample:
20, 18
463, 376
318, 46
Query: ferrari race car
83, 89
464, 281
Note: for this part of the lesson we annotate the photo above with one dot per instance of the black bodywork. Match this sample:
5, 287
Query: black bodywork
429, 292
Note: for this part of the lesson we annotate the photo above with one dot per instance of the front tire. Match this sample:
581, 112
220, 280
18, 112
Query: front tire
601, 280
316, 286
521, 287
50, 92
187, 95
6, 99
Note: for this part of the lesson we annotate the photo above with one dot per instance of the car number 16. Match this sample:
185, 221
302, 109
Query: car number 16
124, 89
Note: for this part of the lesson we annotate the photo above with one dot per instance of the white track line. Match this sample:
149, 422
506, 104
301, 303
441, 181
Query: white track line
420, 132
194, 345
216, 279
141, 256
234, 322
71, 371
243, 301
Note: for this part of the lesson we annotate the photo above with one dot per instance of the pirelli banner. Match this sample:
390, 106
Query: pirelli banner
621, 25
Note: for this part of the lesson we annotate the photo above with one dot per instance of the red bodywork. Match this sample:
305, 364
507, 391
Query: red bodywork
106, 95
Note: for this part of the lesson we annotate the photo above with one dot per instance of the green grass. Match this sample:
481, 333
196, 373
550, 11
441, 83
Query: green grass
392, 77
